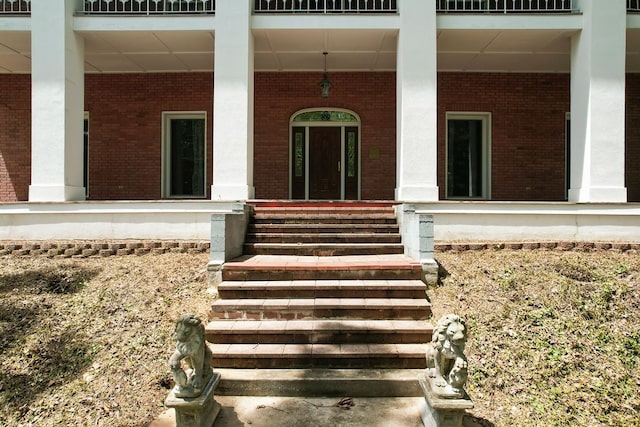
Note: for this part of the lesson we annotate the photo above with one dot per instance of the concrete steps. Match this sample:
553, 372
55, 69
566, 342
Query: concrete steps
323, 231
320, 308
320, 382
269, 267
343, 356
321, 287
319, 331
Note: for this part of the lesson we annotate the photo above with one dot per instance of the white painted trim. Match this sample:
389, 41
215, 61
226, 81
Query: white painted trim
154, 220
322, 22
15, 23
486, 151
144, 23
165, 160
86, 150
525, 221
484, 21
191, 220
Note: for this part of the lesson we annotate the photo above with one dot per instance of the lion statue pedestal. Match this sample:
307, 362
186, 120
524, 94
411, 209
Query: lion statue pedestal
192, 396
443, 381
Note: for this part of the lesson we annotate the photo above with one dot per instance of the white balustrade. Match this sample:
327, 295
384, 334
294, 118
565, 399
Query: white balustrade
15, 7
147, 7
633, 6
325, 6
504, 6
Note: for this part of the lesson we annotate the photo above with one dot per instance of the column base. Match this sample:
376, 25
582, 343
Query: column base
417, 193
56, 193
598, 195
232, 192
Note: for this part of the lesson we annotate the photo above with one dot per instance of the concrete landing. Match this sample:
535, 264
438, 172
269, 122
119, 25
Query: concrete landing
310, 412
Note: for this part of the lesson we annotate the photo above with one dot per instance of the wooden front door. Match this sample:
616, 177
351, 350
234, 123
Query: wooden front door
324, 163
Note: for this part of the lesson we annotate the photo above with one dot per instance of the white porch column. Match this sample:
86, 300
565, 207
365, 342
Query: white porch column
57, 103
598, 104
233, 102
417, 103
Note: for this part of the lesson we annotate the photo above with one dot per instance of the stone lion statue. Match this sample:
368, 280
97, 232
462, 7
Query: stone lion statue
446, 362
190, 347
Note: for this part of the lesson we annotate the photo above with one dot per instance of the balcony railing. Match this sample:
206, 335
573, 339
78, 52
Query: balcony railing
148, 7
504, 6
325, 6
633, 6
15, 7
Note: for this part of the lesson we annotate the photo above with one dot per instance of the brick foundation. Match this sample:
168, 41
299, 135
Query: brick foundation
86, 249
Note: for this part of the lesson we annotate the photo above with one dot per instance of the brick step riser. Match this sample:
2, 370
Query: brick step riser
390, 249
332, 293
325, 221
325, 212
283, 362
322, 239
268, 274
367, 337
238, 313
326, 229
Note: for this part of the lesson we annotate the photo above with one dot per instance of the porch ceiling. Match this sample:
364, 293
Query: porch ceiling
504, 50
301, 50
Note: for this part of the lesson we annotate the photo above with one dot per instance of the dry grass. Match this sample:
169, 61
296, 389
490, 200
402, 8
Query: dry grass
555, 337
86, 342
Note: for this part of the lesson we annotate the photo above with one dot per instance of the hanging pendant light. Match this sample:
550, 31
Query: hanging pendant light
325, 84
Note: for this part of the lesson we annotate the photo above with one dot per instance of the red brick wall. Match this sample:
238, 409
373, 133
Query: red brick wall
528, 113
15, 137
527, 129
125, 129
370, 95
632, 166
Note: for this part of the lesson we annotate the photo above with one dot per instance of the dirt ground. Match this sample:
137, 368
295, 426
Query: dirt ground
554, 336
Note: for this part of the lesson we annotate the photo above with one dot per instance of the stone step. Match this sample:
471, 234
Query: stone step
320, 382
323, 289
323, 210
324, 228
321, 308
328, 218
319, 331
322, 249
314, 273
323, 238
340, 356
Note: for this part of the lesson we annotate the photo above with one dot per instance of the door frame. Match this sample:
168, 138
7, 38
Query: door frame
343, 125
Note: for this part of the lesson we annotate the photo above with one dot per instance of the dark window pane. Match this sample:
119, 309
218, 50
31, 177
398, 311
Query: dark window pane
299, 154
187, 157
351, 154
464, 157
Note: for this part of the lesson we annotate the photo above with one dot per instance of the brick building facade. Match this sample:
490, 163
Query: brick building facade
406, 104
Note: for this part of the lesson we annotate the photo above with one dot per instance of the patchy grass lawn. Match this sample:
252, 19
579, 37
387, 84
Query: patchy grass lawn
86, 342
555, 336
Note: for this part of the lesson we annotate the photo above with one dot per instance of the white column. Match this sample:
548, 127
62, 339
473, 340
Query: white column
598, 104
233, 102
57, 103
417, 103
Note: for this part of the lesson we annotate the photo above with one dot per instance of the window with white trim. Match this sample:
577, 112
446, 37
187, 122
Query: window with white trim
184, 151
468, 160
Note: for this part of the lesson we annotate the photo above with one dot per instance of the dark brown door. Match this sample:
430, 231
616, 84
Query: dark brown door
324, 163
